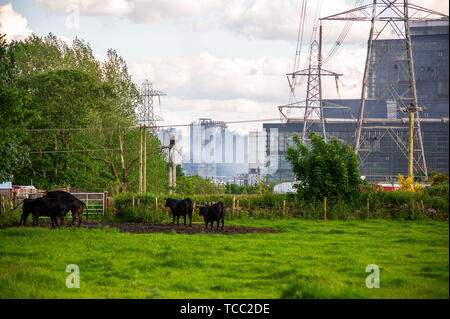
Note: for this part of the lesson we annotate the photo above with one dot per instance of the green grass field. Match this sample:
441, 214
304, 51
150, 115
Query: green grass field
309, 259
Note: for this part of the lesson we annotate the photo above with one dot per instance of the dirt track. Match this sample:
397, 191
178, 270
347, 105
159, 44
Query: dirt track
141, 228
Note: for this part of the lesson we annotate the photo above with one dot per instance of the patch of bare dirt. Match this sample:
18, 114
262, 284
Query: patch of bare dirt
142, 228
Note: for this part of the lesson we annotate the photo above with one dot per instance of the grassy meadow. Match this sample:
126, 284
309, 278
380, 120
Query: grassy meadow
309, 259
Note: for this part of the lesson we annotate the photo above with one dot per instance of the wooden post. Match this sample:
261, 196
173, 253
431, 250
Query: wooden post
284, 207
325, 208
423, 208
140, 159
132, 200
368, 208
144, 182
105, 202
15, 197
238, 209
234, 206
156, 203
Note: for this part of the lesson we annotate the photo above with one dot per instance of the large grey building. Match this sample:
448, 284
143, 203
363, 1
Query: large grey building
430, 53
215, 151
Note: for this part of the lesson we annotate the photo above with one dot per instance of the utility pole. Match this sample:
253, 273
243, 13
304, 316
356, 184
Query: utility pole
172, 164
140, 158
144, 173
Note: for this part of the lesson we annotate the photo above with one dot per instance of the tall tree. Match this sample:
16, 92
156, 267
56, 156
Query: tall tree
327, 169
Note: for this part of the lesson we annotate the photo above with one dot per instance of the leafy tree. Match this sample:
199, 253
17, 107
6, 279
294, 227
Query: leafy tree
327, 169
69, 88
12, 117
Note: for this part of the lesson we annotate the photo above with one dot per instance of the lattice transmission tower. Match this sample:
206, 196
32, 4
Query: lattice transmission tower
311, 109
146, 111
390, 21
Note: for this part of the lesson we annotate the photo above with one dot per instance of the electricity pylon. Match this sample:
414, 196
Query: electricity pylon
394, 16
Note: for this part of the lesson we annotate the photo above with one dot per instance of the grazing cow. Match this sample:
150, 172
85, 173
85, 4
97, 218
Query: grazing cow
75, 205
213, 213
179, 208
43, 206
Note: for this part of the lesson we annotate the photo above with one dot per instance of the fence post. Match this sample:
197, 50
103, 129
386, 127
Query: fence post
105, 204
423, 208
156, 203
238, 209
234, 205
132, 200
368, 208
284, 207
325, 208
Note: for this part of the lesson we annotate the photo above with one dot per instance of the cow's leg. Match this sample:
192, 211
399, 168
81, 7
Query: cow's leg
178, 219
62, 221
173, 216
206, 225
80, 217
184, 219
24, 218
218, 222
73, 218
190, 219
212, 222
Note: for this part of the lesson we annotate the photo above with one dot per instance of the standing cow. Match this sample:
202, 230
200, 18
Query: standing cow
43, 206
179, 208
75, 205
213, 213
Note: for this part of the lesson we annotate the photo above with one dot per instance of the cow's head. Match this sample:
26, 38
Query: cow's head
168, 201
201, 210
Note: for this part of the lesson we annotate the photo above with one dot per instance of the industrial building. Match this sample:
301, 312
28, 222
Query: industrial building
385, 161
215, 151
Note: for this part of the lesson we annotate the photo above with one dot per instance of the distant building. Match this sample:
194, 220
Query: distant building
215, 151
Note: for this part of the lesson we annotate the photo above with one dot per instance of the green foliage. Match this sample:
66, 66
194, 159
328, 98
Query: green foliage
382, 205
12, 115
326, 170
52, 85
438, 179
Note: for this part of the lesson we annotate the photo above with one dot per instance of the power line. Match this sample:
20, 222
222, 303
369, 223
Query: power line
134, 127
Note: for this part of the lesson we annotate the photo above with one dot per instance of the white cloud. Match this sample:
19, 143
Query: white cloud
91, 7
205, 76
13, 24
263, 19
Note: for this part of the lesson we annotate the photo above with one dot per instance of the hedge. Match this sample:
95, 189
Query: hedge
431, 202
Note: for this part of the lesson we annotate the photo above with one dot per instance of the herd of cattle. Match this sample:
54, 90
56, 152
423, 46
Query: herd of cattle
56, 204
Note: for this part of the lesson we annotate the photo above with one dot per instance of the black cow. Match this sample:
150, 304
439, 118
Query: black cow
179, 208
75, 205
44, 206
213, 213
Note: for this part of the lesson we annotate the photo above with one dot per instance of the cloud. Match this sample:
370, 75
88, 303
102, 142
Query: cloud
262, 19
90, 7
205, 76
13, 24
205, 85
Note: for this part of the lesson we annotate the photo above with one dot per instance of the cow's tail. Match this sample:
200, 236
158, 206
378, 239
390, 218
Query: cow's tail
17, 205
222, 209
191, 207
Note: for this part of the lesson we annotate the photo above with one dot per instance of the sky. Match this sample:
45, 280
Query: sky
220, 59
